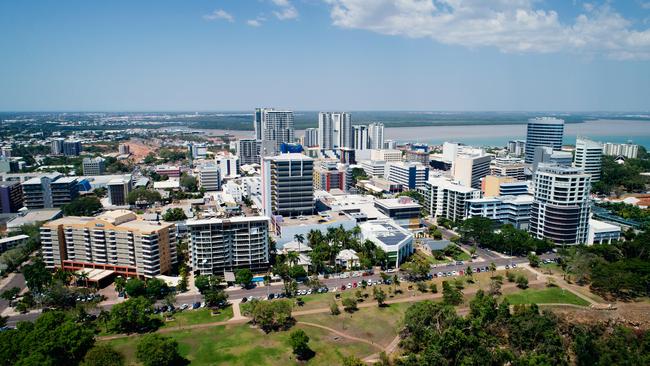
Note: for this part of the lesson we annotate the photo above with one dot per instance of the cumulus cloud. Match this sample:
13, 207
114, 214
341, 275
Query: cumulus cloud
254, 23
286, 10
219, 14
514, 26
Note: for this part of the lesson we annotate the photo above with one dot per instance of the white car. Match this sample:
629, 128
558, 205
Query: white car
349, 286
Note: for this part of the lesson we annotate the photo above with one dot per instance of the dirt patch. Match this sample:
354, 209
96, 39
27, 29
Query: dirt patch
633, 315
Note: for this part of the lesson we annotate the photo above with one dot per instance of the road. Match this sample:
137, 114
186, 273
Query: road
16, 280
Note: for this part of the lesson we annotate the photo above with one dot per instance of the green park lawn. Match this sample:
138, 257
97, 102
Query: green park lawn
198, 316
244, 345
551, 295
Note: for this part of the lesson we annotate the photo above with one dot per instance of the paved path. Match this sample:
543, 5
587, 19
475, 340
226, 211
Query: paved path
562, 283
373, 344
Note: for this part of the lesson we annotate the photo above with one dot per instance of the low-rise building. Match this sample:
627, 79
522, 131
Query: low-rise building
12, 242
396, 241
601, 232
403, 210
210, 178
118, 189
169, 171
514, 210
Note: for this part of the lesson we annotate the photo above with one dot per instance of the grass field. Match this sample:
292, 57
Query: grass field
378, 325
198, 316
243, 345
551, 295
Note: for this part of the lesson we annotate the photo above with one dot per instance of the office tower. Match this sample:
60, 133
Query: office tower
116, 240
72, 148
513, 210
311, 137
376, 136
56, 146
124, 149
544, 131
470, 169
410, 175
516, 147
508, 167
220, 245
390, 144
374, 168
287, 185
210, 177
589, 157
11, 197
330, 174
546, 154
445, 198
94, 166
229, 165
248, 151
49, 190
335, 130
627, 150
276, 127
64, 190
197, 150
118, 190
361, 138
560, 210
387, 155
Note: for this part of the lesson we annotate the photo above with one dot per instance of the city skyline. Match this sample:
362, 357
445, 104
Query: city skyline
325, 55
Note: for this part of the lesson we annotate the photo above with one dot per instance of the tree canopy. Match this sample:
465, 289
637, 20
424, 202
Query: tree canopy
83, 206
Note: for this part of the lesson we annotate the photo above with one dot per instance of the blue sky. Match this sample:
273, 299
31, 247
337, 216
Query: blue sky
125, 55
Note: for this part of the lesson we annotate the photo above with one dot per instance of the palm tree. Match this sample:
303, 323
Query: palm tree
119, 284
300, 238
356, 231
82, 276
292, 258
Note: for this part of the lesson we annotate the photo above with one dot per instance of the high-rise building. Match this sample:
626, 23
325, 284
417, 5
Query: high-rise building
124, 149
589, 157
470, 169
6, 151
275, 128
11, 197
248, 151
544, 131
287, 185
57, 146
229, 165
630, 151
197, 150
311, 137
335, 130
72, 148
118, 190
409, 175
560, 210
115, 241
517, 147
446, 198
376, 136
94, 166
210, 177
390, 144
361, 138
64, 190
257, 123
508, 167
546, 154
220, 245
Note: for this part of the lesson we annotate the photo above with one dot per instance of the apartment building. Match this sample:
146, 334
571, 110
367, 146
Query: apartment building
469, 169
287, 185
49, 190
248, 151
116, 240
409, 175
589, 157
514, 210
94, 166
446, 198
508, 167
210, 177
11, 197
220, 245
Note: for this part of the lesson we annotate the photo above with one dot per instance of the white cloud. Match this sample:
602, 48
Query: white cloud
645, 4
254, 23
286, 10
219, 14
508, 25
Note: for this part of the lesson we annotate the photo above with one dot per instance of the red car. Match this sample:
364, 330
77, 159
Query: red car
342, 287
354, 285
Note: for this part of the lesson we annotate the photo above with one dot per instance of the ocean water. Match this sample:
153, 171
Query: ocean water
603, 130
